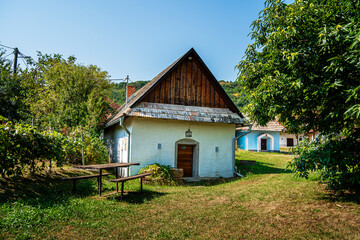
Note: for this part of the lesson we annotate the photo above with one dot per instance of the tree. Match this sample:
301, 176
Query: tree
304, 67
66, 94
11, 91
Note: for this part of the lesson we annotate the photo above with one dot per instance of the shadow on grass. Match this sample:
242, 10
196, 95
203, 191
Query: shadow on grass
42, 191
209, 182
138, 197
342, 197
45, 191
260, 168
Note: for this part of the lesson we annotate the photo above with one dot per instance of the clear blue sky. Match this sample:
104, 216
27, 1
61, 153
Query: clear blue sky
138, 38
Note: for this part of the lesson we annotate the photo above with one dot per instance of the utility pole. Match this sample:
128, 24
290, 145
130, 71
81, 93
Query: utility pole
127, 83
16, 53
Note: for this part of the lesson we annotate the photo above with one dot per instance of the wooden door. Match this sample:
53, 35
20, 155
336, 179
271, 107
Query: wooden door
290, 142
185, 159
263, 144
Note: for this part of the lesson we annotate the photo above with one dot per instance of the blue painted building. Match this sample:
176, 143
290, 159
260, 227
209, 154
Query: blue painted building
261, 138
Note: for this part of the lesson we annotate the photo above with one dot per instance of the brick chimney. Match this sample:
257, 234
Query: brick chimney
130, 91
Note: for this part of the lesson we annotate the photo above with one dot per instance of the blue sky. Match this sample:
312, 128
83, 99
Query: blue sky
136, 38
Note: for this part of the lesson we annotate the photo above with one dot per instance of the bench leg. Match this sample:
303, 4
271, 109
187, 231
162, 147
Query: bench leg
99, 181
117, 186
74, 186
122, 189
141, 185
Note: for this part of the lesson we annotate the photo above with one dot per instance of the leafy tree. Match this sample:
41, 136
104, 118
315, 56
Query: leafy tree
66, 94
304, 68
11, 91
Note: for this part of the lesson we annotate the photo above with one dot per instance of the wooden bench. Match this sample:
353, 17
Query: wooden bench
124, 179
74, 179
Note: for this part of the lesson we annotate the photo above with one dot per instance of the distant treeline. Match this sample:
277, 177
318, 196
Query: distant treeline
231, 88
118, 90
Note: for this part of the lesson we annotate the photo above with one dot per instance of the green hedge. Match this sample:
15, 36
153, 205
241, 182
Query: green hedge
22, 146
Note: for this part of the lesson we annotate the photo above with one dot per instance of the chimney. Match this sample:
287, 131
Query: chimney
130, 91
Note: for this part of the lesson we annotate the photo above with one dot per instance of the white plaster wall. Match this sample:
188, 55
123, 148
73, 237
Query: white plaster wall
284, 136
148, 133
113, 135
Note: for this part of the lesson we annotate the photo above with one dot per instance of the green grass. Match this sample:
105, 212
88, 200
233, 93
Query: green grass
268, 203
285, 149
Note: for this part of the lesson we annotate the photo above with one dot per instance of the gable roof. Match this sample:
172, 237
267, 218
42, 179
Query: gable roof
142, 93
270, 126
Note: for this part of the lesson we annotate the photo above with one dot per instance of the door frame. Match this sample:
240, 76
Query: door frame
272, 144
195, 166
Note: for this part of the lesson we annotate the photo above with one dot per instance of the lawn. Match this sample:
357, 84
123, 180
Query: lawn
268, 203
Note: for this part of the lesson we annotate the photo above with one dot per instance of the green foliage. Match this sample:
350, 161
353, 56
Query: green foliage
336, 160
23, 146
304, 67
12, 92
235, 92
158, 171
63, 93
118, 90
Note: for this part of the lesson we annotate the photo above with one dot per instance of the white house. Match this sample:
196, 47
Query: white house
182, 118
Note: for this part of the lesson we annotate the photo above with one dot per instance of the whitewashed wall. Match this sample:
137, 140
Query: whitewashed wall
284, 136
147, 133
118, 144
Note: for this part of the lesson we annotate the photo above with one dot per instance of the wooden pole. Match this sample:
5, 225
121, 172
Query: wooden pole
16, 52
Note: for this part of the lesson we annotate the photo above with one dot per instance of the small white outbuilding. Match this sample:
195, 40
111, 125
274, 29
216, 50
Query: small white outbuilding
182, 118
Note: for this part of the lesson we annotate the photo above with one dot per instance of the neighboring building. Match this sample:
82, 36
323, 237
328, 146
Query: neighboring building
261, 138
314, 136
182, 118
290, 140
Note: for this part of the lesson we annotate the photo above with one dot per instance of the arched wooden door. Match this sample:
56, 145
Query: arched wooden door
185, 159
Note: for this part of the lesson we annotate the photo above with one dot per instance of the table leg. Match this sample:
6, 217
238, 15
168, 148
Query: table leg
100, 180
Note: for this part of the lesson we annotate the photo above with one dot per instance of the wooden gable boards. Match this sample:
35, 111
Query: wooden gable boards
190, 83
187, 82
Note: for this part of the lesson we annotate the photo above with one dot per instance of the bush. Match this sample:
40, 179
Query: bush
22, 145
159, 172
337, 161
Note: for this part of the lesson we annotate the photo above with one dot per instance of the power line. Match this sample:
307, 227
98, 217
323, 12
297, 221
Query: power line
116, 79
25, 62
6, 46
8, 54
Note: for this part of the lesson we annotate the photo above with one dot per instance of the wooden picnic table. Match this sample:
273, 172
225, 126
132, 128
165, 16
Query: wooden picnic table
100, 167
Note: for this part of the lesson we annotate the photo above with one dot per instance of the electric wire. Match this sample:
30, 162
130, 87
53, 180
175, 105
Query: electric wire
25, 62
6, 46
8, 54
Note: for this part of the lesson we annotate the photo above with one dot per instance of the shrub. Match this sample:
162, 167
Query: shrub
159, 172
22, 145
336, 160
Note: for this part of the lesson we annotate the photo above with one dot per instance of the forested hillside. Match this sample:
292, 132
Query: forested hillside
231, 88
118, 90
234, 91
